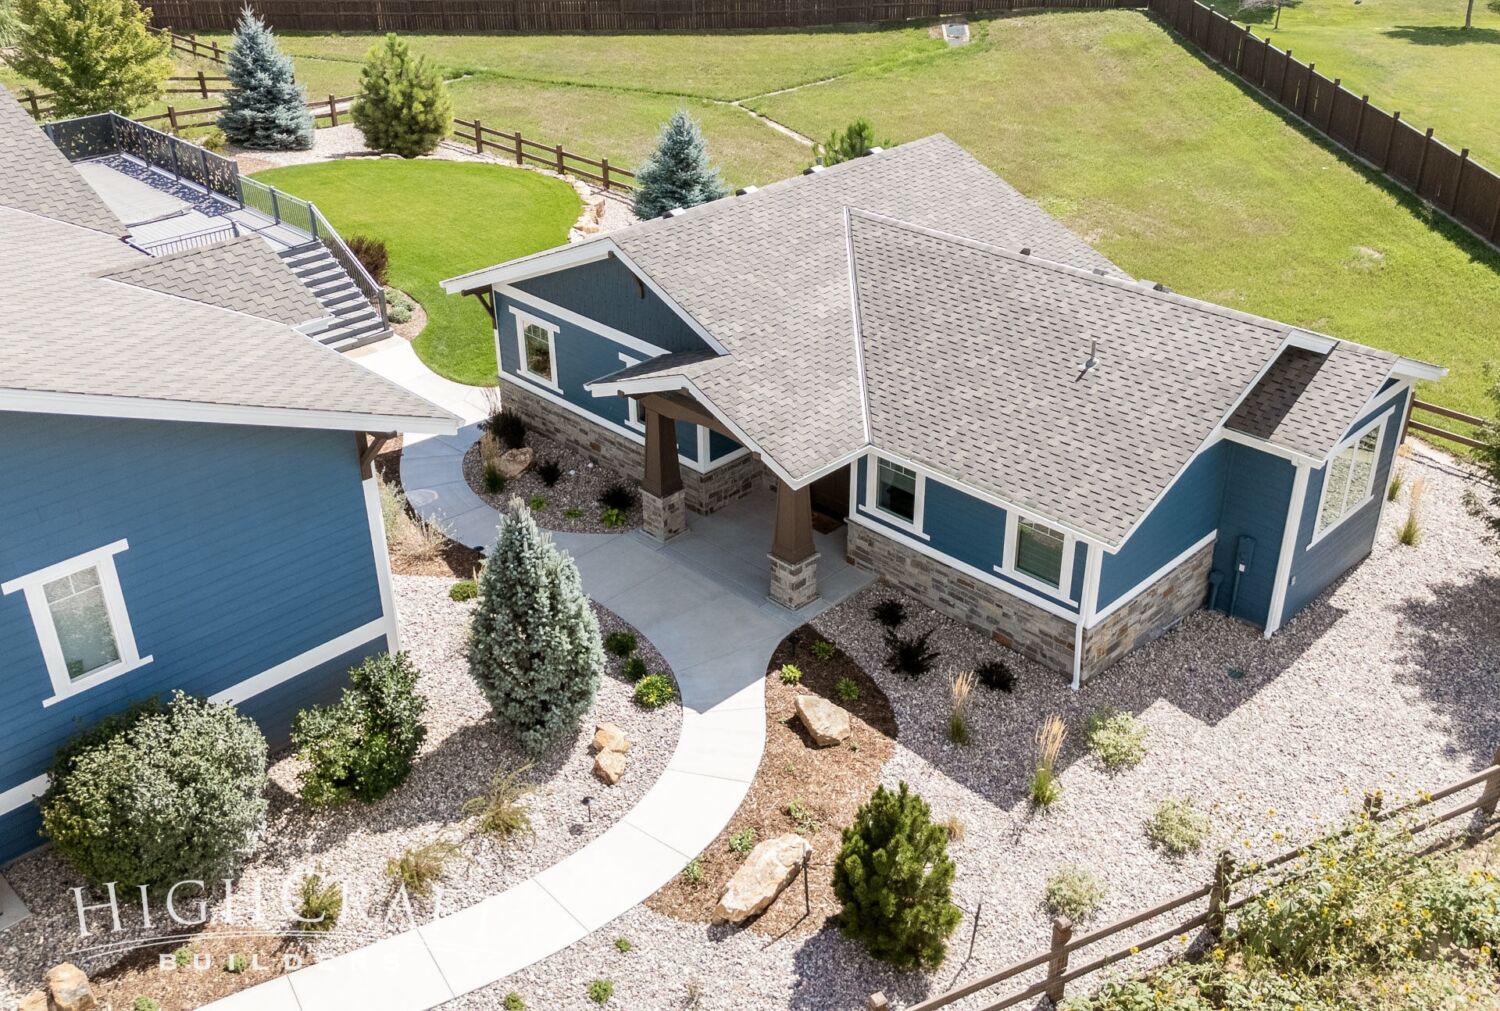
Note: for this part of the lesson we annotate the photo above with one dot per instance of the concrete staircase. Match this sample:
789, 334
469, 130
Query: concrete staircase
357, 322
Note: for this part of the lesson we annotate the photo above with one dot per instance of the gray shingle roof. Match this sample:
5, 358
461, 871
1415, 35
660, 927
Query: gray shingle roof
243, 274
766, 274
1306, 401
974, 360
36, 177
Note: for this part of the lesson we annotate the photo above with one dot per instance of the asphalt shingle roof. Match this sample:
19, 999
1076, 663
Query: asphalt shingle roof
82, 313
1306, 401
243, 274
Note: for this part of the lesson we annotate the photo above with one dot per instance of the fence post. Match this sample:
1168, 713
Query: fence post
217, 57
518, 148
1311, 69
1359, 122
1390, 138
559, 150
202, 85
1422, 162
333, 111
1458, 179
604, 170
275, 206
1057, 965
172, 117
1218, 895
478, 136
1490, 799
1374, 801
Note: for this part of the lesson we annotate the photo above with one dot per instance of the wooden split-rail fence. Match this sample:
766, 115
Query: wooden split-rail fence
1210, 906
554, 156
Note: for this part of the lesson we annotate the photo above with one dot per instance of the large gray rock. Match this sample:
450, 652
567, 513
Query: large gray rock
515, 462
827, 723
768, 869
69, 988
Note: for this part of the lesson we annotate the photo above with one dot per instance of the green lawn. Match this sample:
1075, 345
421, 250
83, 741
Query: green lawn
440, 218
1411, 56
1178, 175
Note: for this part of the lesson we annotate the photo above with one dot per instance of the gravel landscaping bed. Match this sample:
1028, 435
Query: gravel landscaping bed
577, 491
464, 747
1387, 681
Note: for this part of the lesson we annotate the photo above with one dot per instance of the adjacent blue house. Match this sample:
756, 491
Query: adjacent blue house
187, 486
1009, 427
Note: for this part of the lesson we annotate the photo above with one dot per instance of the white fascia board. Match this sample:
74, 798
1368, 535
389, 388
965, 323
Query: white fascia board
102, 406
1315, 342
1410, 368
1269, 448
536, 265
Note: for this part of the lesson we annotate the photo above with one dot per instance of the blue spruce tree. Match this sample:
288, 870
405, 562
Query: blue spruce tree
678, 173
267, 108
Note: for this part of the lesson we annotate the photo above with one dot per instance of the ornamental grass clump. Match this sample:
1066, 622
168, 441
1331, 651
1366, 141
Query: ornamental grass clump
1178, 827
500, 809
1410, 531
1075, 893
909, 655
420, 867
996, 675
960, 687
894, 878
534, 646
410, 538
889, 612
319, 903
157, 795
1116, 738
1046, 788
362, 747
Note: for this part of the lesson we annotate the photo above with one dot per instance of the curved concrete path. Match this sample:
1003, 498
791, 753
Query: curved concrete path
698, 603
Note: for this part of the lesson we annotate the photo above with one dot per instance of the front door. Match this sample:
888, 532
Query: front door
830, 500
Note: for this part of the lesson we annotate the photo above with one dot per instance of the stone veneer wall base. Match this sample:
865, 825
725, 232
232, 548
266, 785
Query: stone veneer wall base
706, 493
1162, 605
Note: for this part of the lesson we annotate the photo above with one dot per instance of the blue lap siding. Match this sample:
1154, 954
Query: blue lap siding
1257, 492
582, 357
1317, 566
607, 292
247, 547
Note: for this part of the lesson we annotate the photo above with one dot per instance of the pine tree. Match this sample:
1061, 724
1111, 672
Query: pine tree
267, 108
403, 105
534, 643
678, 173
846, 145
94, 55
893, 876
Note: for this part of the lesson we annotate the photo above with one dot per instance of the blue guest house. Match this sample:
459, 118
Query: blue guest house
1005, 424
185, 477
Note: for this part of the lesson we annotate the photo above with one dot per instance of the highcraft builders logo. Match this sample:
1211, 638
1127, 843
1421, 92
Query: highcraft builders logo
119, 919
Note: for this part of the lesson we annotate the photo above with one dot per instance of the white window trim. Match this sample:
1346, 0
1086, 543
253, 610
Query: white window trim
32, 585
523, 320
633, 417
870, 507
1370, 491
1007, 567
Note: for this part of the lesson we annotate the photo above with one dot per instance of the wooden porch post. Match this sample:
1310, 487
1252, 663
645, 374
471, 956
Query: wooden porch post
663, 502
794, 558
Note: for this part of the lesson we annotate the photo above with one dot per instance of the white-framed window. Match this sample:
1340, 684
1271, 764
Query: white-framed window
1038, 555
1349, 478
633, 418
895, 493
536, 346
78, 610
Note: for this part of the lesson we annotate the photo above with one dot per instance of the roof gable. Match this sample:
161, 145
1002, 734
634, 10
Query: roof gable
36, 177
242, 275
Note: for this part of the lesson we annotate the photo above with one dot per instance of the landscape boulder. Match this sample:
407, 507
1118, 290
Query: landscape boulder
827, 723
768, 869
609, 766
36, 1000
68, 989
608, 737
515, 462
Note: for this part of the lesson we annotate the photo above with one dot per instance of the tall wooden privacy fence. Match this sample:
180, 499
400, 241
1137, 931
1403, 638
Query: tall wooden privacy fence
1454, 183
553, 156
579, 15
1230, 888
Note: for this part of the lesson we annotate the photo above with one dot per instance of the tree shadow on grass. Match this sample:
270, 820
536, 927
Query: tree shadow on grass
1443, 35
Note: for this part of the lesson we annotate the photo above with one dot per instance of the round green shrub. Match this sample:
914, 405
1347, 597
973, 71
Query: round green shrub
654, 691
634, 667
621, 644
362, 746
464, 589
157, 795
894, 878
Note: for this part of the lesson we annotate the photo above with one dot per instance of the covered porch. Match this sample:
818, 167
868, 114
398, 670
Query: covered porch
767, 543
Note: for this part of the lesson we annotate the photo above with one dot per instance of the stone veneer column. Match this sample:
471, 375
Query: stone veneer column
664, 517
794, 559
663, 500
794, 584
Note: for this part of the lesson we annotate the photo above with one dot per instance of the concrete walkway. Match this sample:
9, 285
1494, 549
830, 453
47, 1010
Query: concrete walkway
698, 604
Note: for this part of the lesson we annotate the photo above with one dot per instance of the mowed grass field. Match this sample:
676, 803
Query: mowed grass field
1411, 56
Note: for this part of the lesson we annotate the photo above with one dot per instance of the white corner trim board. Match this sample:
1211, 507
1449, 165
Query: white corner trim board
1289, 532
24, 793
101, 561
382, 562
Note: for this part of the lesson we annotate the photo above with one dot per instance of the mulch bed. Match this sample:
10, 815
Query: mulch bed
140, 974
829, 783
576, 491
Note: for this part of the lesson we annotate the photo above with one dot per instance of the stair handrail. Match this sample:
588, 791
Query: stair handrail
334, 243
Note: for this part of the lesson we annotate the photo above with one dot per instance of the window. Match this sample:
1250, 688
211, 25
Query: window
896, 491
537, 343
1349, 480
1038, 556
78, 610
